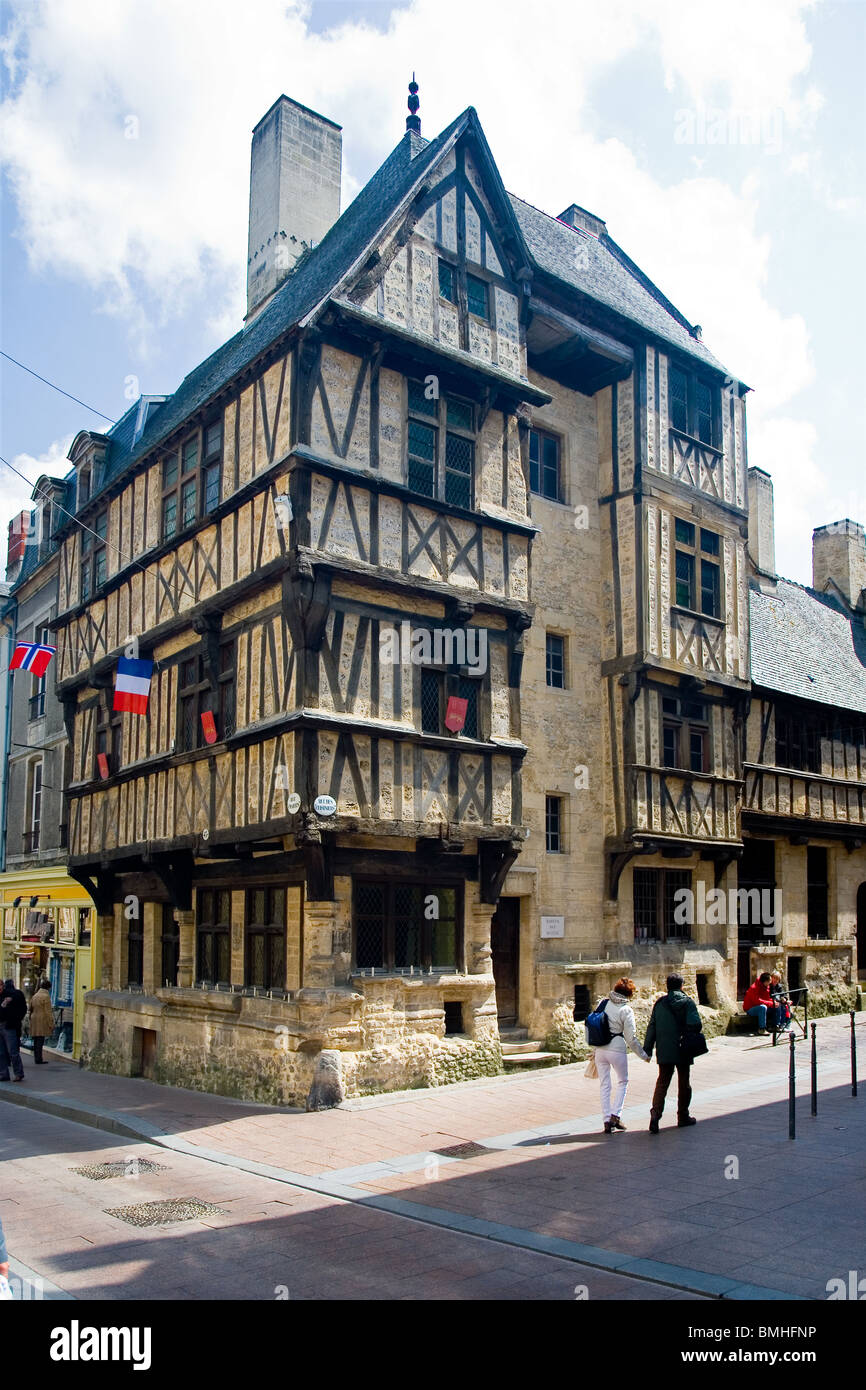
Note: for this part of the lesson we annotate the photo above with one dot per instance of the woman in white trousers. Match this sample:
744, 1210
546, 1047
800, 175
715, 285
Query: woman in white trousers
612, 1060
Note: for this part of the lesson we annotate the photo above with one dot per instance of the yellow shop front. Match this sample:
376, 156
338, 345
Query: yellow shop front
49, 932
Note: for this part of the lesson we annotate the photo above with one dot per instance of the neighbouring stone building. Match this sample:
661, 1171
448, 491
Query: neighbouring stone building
445, 564
47, 917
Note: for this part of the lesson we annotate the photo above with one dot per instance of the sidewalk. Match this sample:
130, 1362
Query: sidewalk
729, 1203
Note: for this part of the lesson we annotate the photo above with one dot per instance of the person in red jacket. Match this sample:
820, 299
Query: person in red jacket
760, 1004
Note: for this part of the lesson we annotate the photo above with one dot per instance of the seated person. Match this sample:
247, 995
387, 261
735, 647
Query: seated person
760, 1004
779, 995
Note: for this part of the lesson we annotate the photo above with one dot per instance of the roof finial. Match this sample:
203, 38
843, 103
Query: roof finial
413, 121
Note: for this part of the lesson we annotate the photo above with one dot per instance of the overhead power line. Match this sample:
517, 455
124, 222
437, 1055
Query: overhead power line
54, 387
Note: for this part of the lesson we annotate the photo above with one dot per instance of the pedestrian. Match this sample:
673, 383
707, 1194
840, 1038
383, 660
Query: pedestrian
760, 1004
611, 1058
41, 1019
676, 1033
13, 1007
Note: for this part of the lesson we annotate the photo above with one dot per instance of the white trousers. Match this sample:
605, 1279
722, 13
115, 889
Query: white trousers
612, 1063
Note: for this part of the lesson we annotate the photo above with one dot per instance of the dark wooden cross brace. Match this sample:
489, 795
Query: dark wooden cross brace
472, 793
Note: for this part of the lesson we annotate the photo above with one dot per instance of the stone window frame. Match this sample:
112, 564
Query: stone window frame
555, 824
546, 434
662, 928
389, 887
557, 637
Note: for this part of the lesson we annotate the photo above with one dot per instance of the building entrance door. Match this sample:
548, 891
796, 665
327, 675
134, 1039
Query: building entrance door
861, 931
505, 945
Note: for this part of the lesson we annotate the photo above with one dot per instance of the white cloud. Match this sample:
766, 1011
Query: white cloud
147, 221
16, 495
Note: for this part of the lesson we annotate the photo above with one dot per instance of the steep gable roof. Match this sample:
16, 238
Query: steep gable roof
805, 644
606, 274
317, 275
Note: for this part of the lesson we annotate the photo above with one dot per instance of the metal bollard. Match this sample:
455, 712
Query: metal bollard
814, 1072
792, 1091
853, 1057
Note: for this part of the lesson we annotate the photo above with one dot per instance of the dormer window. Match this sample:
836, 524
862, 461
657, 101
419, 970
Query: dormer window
83, 487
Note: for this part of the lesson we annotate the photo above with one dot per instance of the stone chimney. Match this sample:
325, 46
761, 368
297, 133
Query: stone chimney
20, 531
575, 216
295, 170
839, 557
762, 527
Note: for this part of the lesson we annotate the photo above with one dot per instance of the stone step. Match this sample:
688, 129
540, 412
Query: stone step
528, 1060
512, 1049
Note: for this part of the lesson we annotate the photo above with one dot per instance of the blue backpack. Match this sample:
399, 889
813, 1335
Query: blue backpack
597, 1026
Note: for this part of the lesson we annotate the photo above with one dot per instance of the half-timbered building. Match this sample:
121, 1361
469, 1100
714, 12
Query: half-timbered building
804, 799
441, 564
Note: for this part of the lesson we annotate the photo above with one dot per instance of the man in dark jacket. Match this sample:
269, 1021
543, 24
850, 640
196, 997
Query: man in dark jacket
671, 1017
13, 1007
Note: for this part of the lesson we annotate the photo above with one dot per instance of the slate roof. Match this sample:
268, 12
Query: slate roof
604, 272
320, 271
608, 276
803, 643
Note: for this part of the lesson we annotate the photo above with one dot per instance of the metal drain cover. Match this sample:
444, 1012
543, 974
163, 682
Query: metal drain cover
124, 1168
161, 1213
470, 1150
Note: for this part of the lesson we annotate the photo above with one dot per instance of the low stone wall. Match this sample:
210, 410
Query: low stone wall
387, 1032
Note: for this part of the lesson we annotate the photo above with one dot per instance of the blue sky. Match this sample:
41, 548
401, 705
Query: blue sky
724, 148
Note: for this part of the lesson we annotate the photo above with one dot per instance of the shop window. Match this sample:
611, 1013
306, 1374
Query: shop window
403, 926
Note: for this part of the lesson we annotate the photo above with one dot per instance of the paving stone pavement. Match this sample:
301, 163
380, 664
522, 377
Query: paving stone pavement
730, 1208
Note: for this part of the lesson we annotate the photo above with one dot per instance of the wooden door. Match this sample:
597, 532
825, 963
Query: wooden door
505, 945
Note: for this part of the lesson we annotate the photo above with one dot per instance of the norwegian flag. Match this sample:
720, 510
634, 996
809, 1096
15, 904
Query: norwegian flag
132, 685
32, 657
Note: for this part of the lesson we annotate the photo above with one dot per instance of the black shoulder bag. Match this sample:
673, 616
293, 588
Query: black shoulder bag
692, 1042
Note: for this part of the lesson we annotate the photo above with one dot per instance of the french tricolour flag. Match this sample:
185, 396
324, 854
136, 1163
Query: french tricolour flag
31, 656
132, 686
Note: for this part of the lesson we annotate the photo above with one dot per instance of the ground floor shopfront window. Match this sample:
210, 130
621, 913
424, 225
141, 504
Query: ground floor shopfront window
401, 926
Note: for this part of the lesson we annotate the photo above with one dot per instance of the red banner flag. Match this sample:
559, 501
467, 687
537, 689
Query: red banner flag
209, 726
102, 762
455, 713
